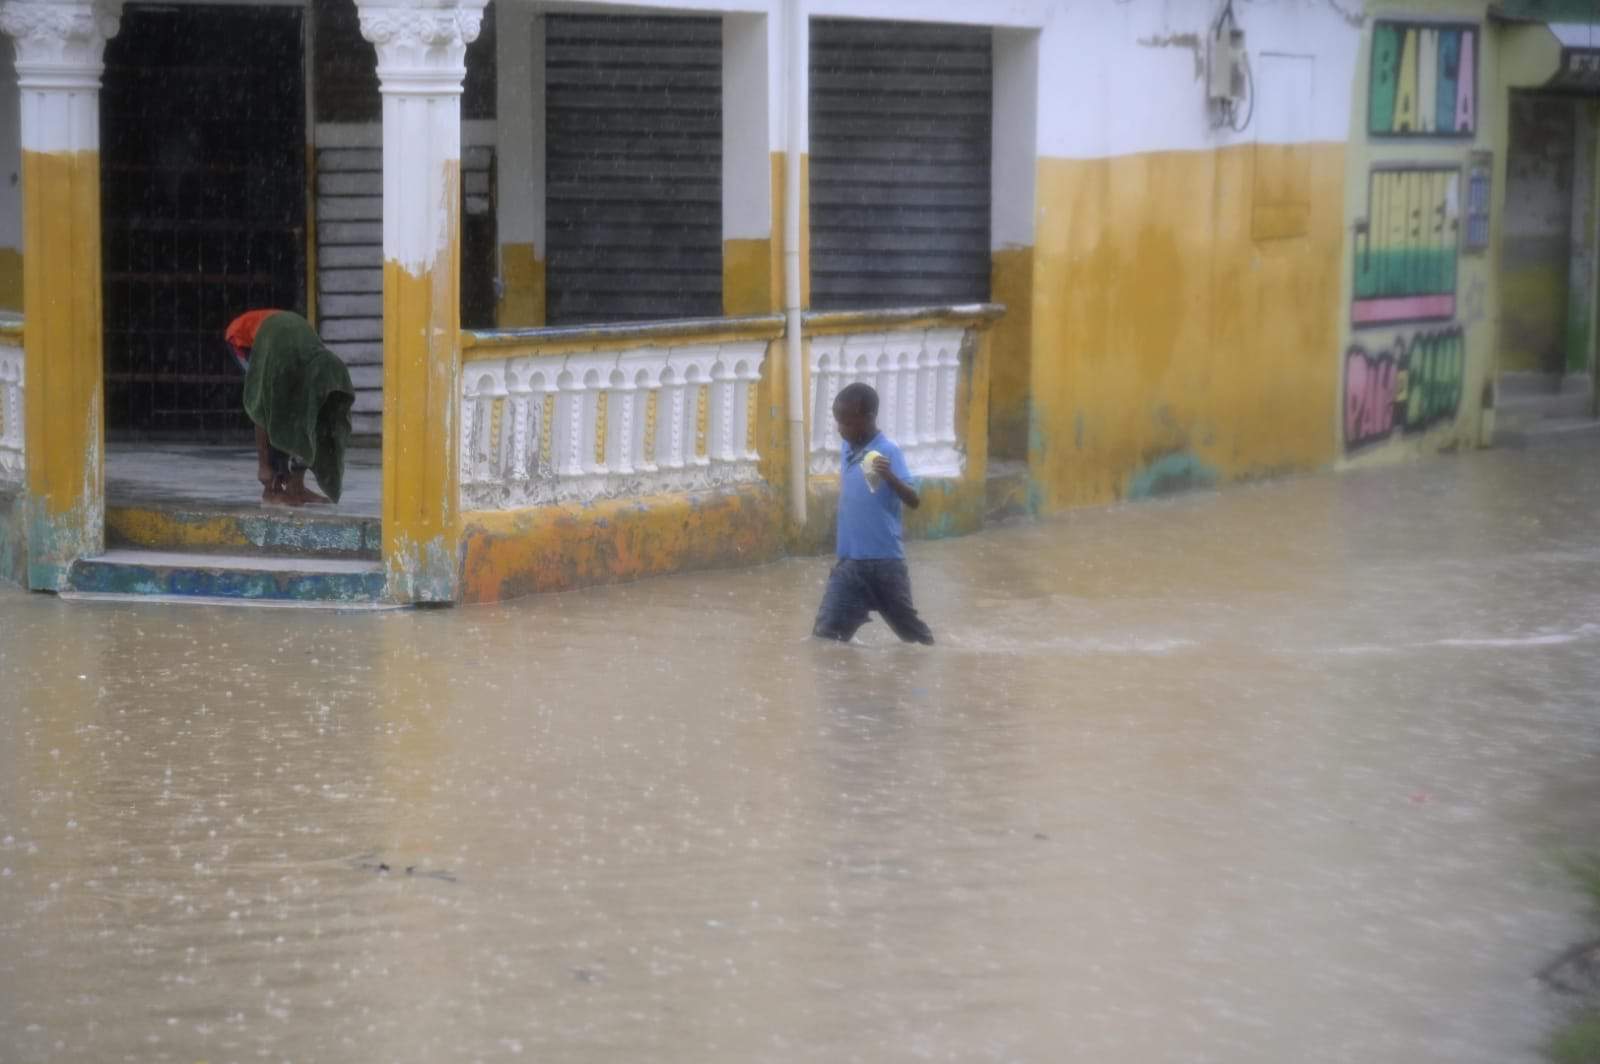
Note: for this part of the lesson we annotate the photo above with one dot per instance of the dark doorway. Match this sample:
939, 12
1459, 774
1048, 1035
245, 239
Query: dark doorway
203, 152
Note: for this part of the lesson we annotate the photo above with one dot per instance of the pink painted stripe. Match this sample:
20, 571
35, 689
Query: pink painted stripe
1403, 308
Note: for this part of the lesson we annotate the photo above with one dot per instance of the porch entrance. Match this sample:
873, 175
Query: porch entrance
1550, 250
203, 160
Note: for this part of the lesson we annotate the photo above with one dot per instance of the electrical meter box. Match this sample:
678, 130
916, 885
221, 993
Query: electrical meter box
1225, 76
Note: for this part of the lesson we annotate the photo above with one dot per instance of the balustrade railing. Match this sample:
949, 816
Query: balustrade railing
915, 372
578, 414
12, 440
639, 419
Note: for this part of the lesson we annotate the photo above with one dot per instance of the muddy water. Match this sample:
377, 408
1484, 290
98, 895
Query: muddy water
1280, 774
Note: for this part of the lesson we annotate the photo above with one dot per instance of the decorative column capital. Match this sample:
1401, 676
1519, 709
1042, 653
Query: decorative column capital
60, 43
422, 45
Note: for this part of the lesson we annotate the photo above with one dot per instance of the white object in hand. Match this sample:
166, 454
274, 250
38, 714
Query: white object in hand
869, 470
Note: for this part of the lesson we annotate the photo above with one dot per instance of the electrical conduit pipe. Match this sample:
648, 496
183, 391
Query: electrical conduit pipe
795, 85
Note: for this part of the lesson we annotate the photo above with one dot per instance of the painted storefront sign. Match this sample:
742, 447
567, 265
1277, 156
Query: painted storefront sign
1406, 248
1424, 80
1411, 385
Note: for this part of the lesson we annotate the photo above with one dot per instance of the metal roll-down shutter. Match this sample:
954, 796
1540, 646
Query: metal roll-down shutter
634, 167
901, 117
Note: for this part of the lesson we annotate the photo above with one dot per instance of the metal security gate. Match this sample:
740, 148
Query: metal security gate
634, 167
901, 138
203, 205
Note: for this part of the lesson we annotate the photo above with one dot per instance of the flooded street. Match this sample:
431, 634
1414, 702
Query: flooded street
1284, 773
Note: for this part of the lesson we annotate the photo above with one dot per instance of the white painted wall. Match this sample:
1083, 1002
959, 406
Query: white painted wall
1114, 77
1286, 95
1121, 78
1017, 14
519, 111
746, 157
1016, 131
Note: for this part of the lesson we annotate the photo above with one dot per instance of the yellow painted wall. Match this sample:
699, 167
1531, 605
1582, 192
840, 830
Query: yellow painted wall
1177, 338
1011, 364
558, 548
10, 279
522, 300
749, 284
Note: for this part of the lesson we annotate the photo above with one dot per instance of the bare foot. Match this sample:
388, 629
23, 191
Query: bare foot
278, 497
300, 495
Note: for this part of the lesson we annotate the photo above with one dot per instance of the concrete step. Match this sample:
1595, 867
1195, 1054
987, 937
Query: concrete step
209, 530
1517, 385
1525, 401
1545, 432
1557, 404
235, 578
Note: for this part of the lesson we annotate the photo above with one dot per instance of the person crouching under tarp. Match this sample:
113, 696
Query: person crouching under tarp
299, 395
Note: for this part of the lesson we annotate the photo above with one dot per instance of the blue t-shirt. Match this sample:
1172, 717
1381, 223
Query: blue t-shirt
869, 521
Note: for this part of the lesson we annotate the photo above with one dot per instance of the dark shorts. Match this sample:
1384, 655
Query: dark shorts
858, 586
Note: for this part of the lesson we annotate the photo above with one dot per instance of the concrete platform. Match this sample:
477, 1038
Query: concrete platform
223, 477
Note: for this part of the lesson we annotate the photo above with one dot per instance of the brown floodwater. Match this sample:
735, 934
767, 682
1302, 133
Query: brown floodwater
1282, 773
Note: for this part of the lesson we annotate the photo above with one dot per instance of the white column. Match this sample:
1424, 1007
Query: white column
59, 49
421, 64
60, 45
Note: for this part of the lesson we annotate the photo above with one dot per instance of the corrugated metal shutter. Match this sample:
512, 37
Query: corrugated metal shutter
901, 118
350, 248
634, 167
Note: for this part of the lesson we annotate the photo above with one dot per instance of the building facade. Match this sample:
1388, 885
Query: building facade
599, 268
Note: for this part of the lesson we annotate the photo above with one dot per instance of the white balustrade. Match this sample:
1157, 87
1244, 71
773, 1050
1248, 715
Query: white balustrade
538, 429
915, 372
12, 441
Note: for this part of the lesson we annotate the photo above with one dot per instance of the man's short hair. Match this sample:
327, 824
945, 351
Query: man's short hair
863, 398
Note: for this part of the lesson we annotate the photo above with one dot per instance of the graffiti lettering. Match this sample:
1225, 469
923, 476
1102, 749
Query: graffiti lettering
1413, 386
1368, 398
1407, 247
1424, 80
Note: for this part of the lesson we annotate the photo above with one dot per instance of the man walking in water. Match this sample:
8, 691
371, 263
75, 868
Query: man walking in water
299, 395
